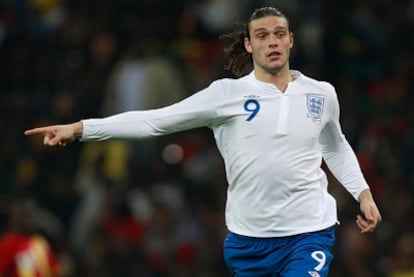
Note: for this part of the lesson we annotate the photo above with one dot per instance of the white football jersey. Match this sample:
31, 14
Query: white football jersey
272, 144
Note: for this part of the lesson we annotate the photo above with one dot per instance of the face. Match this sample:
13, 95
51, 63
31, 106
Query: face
269, 43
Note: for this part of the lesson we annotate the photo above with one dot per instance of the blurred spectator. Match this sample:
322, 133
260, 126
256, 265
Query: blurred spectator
135, 84
24, 248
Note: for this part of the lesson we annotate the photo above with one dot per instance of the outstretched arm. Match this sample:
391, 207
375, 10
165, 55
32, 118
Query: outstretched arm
58, 135
198, 110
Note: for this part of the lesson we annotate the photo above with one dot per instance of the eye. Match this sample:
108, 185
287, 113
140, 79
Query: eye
261, 35
280, 34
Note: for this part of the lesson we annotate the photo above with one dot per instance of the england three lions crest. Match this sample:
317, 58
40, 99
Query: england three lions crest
315, 105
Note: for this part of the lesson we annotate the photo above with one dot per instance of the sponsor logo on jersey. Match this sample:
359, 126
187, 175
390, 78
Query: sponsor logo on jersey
315, 104
251, 96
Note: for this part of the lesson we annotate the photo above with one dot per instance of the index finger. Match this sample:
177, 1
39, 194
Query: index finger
35, 131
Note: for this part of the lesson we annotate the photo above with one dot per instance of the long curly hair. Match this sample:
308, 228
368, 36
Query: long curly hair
236, 58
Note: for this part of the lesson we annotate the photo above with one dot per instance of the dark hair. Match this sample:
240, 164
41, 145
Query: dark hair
236, 58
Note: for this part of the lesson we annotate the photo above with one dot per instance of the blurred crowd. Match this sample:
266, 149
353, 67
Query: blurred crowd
156, 207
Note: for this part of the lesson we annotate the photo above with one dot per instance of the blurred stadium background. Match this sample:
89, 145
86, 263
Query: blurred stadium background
155, 208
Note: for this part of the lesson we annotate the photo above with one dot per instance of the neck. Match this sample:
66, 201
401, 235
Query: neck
280, 78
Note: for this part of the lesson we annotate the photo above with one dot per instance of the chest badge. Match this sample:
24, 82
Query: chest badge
315, 104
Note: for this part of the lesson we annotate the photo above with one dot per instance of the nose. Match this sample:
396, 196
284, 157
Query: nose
273, 41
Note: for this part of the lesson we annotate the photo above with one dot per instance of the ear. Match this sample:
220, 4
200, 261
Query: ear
247, 45
291, 40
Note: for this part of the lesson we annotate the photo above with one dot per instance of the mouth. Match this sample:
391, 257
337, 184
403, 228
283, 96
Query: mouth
274, 55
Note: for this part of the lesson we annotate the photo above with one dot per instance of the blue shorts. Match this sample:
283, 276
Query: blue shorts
308, 254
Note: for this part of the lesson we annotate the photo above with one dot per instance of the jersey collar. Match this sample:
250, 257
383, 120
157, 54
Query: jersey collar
296, 75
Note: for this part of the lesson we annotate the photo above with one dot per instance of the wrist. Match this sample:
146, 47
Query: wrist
77, 129
365, 195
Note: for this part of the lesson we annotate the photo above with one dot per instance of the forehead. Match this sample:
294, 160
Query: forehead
268, 23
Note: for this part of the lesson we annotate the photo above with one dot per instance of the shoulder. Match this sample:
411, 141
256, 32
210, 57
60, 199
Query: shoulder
230, 81
230, 85
233, 82
322, 87
324, 90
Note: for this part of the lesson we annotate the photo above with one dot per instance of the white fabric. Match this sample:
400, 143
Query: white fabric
276, 186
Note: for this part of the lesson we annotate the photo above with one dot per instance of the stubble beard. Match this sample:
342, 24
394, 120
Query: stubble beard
273, 70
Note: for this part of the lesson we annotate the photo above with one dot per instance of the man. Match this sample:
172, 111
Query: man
272, 126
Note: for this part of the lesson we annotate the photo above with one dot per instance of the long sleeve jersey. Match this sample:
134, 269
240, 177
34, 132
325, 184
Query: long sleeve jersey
272, 144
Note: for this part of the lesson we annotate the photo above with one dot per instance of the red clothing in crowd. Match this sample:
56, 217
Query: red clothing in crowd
26, 256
